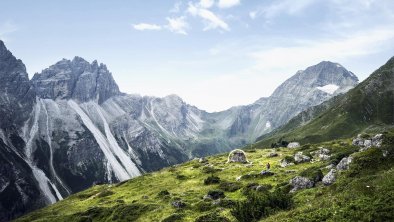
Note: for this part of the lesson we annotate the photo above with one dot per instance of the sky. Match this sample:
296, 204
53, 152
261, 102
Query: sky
215, 54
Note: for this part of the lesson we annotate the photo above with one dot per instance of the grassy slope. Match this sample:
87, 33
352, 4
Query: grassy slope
348, 197
369, 107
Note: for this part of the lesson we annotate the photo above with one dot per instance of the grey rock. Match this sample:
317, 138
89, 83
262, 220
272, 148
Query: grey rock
273, 154
285, 163
293, 145
330, 177
266, 173
300, 158
237, 156
299, 183
344, 163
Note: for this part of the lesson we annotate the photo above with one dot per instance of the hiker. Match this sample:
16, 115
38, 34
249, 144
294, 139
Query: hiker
268, 166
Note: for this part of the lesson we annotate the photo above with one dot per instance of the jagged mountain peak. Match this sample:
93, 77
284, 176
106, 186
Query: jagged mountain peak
76, 79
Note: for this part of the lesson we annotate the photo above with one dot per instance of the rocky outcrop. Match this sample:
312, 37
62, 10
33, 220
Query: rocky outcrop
299, 183
76, 79
365, 142
330, 177
17, 96
285, 162
344, 163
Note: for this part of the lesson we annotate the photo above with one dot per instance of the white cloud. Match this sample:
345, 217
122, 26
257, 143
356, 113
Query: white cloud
146, 26
176, 8
305, 53
206, 3
177, 25
228, 3
277, 8
212, 20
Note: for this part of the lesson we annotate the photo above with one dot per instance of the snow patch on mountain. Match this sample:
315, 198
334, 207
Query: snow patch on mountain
330, 88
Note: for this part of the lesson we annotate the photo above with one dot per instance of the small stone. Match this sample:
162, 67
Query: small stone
178, 204
274, 154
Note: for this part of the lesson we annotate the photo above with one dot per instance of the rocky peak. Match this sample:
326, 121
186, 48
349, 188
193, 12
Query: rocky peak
16, 94
76, 79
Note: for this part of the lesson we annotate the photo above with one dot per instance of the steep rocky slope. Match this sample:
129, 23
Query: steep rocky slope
369, 107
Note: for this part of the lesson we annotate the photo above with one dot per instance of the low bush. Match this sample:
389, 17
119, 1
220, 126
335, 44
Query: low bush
313, 173
211, 180
259, 205
230, 186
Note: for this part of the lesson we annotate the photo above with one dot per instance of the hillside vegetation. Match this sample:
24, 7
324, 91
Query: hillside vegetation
364, 192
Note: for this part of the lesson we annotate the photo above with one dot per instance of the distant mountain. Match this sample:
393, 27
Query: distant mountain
368, 107
305, 89
70, 127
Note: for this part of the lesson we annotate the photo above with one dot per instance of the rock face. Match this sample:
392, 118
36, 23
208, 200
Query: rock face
76, 79
16, 94
344, 163
299, 183
237, 156
293, 145
300, 158
330, 177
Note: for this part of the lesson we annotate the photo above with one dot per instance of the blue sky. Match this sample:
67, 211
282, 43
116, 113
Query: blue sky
213, 53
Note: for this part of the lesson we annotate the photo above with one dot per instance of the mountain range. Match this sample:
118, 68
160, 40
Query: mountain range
70, 127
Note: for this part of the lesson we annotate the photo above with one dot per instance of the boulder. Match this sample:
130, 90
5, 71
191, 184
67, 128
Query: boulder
300, 158
366, 143
321, 154
293, 145
358, 141
344, 163
237, 156
285, 163
330, 177
299, 183
273, 154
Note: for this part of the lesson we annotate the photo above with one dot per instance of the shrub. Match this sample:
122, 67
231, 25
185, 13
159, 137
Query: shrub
180, 176
216, 194
212, 217
174, 217
105, 193
203, 206
209, 170
259, 205
313, 173
211, 180
163, 193
230, 186
289, 159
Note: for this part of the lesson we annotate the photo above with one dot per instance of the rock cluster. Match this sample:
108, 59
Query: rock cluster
366, 143
285, 163
300, 158
321, 154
